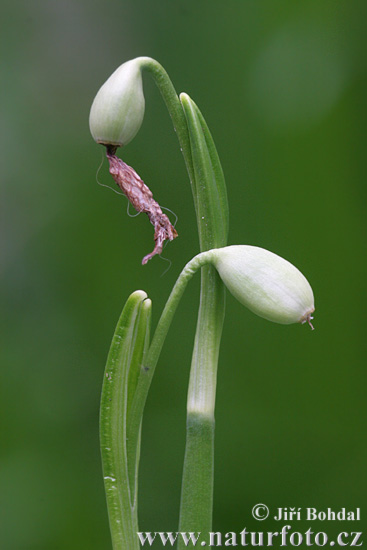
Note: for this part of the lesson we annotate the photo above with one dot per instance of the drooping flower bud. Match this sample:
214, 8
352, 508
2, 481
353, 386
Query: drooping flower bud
267, 284
118, 109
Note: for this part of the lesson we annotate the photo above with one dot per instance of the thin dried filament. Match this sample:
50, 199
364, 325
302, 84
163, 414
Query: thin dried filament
142, 200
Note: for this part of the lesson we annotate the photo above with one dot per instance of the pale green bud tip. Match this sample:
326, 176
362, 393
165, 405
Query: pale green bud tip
267, 284
118, 109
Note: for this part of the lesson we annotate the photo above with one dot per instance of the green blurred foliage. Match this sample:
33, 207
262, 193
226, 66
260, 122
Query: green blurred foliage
282, 86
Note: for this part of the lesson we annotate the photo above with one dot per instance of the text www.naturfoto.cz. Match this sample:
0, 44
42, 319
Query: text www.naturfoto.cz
246, 538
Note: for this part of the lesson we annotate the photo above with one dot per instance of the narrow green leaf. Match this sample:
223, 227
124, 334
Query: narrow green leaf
134, 420
211, 193
120, 380
212, 217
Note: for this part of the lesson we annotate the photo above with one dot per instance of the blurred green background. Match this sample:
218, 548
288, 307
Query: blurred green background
282, 86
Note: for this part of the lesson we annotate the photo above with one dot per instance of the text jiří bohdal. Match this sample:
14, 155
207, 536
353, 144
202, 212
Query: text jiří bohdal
313, 514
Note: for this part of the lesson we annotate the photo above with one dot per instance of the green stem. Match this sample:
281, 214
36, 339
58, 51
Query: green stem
152, 356
198, 474
174, 107
197, 482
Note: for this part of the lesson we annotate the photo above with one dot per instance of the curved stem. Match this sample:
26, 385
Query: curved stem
174, 107
152, 356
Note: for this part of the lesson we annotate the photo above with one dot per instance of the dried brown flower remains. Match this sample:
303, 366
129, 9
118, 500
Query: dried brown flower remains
141, 197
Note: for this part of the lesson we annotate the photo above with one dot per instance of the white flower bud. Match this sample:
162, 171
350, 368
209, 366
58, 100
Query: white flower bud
267, 284
118, 108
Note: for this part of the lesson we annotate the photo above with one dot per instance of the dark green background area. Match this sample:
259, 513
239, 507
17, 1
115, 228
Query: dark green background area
282, 85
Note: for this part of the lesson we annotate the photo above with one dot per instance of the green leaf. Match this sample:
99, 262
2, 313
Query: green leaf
119, 437
212, 218
134, 418
211, 193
